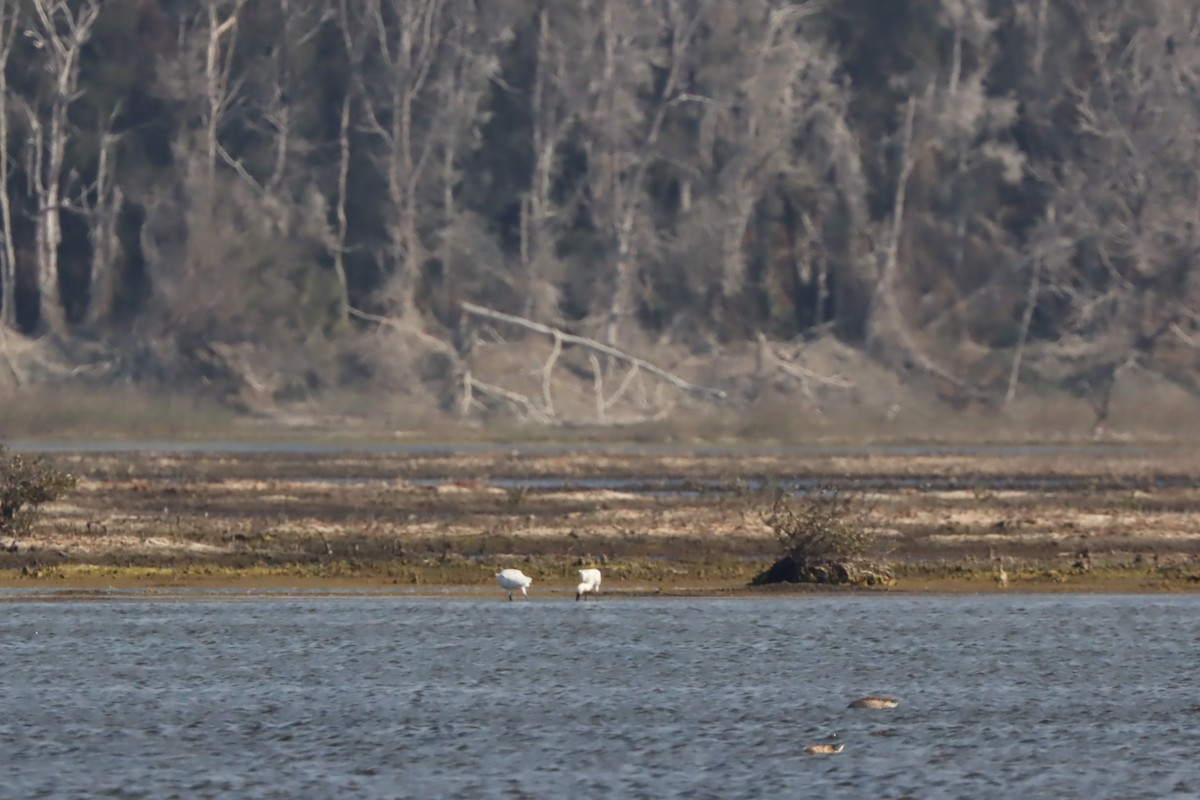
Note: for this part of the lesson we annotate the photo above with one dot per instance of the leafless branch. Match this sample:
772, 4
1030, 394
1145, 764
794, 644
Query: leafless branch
596, 347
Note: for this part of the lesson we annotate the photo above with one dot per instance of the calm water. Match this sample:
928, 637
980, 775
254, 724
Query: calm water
1009, 696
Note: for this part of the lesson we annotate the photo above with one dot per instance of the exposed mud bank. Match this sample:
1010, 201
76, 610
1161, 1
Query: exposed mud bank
655, 521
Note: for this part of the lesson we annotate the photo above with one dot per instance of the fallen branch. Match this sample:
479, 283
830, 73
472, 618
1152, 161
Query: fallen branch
520, 402
595, 346
802, 373
625, 384
767, 357
412, 330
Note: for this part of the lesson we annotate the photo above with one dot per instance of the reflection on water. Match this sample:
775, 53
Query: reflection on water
369, 696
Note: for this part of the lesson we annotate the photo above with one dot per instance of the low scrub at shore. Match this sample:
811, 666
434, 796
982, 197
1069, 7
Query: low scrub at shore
825, 525
26, 482
824, 535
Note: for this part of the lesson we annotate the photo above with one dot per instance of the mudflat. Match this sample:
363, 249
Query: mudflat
656, 520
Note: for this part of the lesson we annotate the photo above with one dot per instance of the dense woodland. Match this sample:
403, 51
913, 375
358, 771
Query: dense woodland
966, 189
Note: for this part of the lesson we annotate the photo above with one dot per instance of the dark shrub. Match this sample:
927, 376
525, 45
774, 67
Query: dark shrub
26, 483
822, 534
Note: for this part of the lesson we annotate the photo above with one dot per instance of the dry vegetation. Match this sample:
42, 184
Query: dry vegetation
655, 521
795, 217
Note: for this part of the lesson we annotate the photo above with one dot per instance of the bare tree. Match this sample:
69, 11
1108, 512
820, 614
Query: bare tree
470, 63
943, 260
784, 88
394, 48
59, 29
102, 212
558, 100
623, 129
342, 223
278, 94
760, 76
1129, 202
273, 104
10, 22
548, 122
886, 327
220, 89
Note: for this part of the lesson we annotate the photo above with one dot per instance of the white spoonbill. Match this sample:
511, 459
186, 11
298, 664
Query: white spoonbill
589, 581
513, 579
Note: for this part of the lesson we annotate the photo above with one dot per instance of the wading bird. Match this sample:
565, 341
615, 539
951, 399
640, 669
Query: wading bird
589, 581
512, 579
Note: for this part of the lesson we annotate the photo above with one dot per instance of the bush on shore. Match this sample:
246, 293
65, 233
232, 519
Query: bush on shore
824, 536
25, 484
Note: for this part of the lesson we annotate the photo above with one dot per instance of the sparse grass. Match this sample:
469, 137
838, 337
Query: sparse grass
515, 497
68, 412
115, 413
551, 572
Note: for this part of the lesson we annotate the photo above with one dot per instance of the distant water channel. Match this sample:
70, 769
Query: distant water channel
387, 697
238, 447
665, 486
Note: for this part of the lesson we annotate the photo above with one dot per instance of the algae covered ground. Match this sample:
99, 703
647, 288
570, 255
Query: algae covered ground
669, 520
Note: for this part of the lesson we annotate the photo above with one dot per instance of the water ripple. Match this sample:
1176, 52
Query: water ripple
402, 697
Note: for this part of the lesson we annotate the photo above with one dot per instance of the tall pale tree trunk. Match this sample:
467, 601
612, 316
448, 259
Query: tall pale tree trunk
102, 218
343, 182
9, 22
60, 30
216, 76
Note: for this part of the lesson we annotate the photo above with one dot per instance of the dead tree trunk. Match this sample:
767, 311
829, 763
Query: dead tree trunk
217, 67
888, 334
405, 39
102, 218
60, 31
343, 181
549, 119
620, 184
9, 22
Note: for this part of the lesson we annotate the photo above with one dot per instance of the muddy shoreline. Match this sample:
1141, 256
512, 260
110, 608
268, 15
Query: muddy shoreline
658, 521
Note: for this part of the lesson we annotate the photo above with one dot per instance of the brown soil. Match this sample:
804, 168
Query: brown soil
1070, 519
